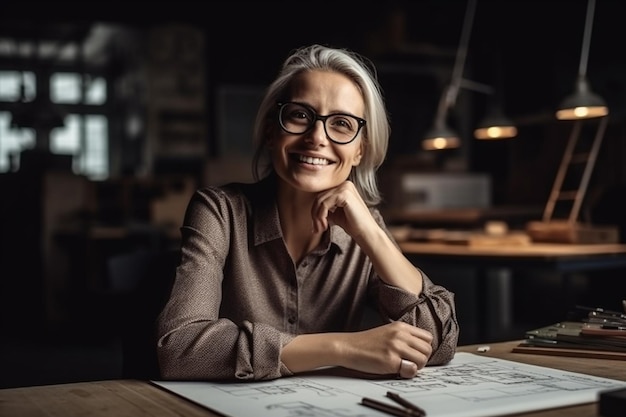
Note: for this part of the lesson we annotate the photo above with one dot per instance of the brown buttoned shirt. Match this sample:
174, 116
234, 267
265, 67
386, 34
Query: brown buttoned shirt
238, 297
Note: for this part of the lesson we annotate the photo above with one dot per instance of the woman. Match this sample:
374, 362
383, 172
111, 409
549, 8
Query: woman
275, 275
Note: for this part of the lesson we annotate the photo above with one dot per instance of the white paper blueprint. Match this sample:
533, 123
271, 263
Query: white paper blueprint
469, 386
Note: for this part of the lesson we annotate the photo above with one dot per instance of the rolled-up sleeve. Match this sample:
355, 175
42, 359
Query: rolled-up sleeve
196, 341
434, 310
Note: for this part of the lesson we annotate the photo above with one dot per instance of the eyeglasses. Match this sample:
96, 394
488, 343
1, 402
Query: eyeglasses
297, 119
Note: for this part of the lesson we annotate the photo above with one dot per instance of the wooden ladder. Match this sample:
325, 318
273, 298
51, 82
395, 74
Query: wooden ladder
570, 185
560, 218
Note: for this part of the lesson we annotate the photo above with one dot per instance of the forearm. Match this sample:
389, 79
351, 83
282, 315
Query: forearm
434, 310
389, 262
311, 351
378, 350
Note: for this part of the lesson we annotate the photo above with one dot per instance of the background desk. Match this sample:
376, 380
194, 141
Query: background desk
482, 278
122, 398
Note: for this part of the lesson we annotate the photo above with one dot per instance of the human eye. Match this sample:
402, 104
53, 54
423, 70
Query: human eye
299, 114
343, 123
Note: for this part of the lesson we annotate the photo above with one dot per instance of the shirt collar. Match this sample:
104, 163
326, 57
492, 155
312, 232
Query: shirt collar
267, 224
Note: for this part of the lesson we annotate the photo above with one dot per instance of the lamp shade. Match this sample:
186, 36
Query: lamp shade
582, 104
495, 126
440, 137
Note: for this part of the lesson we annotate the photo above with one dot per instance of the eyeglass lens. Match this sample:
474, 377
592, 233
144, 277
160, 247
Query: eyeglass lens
297, 119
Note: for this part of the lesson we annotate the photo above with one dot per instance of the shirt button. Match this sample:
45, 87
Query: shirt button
291, 320
305, 263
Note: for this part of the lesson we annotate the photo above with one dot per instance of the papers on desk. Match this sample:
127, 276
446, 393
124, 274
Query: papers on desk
469, 386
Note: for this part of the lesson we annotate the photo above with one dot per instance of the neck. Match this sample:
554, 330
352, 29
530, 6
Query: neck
294, 211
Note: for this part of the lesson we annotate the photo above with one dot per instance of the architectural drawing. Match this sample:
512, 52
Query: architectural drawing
469, 386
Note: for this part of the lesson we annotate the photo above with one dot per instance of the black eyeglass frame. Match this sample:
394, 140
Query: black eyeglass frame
281, 105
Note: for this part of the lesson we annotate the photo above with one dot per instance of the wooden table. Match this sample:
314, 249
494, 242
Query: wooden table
490, 294
121, 398
564, 257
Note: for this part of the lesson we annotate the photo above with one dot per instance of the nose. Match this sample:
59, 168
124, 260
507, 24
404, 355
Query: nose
317, 134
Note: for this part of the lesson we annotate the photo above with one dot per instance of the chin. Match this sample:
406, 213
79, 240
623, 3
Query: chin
315, 187
310, 185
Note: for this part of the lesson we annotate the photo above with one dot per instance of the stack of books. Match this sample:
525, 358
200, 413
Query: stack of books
599, 333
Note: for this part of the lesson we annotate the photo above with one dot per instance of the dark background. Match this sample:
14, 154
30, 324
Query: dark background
528, 50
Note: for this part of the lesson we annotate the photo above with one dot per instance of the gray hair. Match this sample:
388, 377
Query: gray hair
375, 133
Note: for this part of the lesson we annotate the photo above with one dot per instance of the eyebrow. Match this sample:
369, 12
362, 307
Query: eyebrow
347, 113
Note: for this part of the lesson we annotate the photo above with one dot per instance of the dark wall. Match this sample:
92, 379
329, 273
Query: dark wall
529, 51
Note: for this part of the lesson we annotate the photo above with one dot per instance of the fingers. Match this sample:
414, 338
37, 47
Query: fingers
395, 348
417, 338
418, 332
416, 347
324, 207
341, 205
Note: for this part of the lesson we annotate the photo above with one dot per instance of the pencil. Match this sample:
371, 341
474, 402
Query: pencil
389, 409
397, 398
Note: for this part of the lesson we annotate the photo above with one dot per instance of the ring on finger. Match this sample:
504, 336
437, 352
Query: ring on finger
409, 366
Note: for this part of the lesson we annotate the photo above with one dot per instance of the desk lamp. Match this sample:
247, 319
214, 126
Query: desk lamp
579, 107
583, 103
495, 125
440, 135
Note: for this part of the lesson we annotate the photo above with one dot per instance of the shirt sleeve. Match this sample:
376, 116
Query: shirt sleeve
194, 343
434, 310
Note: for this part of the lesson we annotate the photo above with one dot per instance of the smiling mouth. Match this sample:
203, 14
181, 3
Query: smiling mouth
313, 161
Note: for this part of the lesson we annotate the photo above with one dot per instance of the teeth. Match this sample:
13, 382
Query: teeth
313, 161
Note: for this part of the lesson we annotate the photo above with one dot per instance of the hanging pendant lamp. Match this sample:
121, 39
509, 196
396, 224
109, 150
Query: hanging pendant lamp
583, 103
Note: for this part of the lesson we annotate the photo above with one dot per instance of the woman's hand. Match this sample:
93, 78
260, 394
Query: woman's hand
342, 206
395, 348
